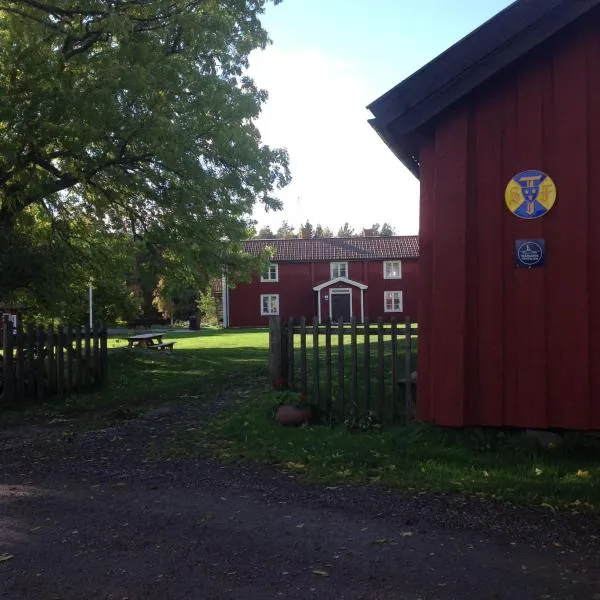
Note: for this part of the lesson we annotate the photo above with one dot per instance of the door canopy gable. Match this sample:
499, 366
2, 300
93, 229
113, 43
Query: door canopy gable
345, 280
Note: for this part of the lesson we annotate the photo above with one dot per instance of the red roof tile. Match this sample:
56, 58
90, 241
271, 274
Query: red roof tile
326, 249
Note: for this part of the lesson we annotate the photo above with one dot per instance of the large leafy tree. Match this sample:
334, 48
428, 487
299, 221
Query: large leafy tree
136, 117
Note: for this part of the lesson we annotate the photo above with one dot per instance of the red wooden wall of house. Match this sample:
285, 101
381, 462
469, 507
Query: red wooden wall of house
500, 345
297, 298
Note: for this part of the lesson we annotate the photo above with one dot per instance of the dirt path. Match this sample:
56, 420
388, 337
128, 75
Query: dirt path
93, 516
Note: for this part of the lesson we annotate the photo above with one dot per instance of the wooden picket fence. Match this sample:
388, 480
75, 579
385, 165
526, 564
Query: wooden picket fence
37, 364
348, 370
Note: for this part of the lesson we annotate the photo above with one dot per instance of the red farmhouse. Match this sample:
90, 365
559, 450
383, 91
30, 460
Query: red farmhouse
497, 128
364, 277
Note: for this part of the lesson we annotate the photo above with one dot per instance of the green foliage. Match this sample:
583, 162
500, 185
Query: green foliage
413, 456
207, 305
129, 118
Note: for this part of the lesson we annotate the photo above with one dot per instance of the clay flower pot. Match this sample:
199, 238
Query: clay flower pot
288, 414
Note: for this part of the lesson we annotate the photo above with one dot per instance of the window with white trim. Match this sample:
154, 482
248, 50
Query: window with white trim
392, 269
271, 273
339, 269
269, 304
392, 301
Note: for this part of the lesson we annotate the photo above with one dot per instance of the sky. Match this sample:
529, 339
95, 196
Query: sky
328, 60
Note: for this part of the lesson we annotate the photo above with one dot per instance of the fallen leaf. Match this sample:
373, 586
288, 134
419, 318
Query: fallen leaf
407, 533
6, 556
320, 572
295, 466
538, 471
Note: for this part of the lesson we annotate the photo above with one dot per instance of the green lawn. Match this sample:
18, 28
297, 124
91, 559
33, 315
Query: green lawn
501, 465
201, 361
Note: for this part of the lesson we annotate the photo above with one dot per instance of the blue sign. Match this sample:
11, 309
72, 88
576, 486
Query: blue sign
530, 253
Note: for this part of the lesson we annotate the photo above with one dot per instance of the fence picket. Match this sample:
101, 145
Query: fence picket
20, 358
50, 359
69, 349
40, 364
395, 383
104, 355
7, 361
353, 365
367, 367
316, 360
96, 356
60, 362
407, 368
341, 381
31, 371
87, 362
380, 367
328, 380
303, 371
78, 360
290, 356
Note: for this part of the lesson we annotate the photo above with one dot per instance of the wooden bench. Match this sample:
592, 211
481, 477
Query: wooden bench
163, 346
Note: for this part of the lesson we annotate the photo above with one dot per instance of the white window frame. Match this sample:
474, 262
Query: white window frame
337, 264
393, 294
386, 265
269, 279
269, 312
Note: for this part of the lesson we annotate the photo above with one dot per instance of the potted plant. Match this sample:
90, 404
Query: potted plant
293, 409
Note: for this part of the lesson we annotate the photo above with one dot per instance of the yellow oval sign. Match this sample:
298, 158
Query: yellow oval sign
530, 194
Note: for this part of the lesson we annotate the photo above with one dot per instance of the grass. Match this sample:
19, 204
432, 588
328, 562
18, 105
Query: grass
201, 362
499, 465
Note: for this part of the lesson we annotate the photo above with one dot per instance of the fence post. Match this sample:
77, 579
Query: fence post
407, 369
275, 349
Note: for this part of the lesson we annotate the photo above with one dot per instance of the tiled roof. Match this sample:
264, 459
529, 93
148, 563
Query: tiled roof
326, 249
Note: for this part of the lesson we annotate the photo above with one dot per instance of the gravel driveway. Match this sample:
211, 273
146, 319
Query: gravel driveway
94, 516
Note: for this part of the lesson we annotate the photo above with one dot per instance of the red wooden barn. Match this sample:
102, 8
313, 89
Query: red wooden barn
509, 310
364, 277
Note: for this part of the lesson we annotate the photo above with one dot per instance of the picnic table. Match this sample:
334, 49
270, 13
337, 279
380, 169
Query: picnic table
149, 340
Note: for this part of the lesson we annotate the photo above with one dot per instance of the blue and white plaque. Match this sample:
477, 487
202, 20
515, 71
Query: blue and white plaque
530, 254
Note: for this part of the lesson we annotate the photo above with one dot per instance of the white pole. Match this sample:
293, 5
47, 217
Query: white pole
225, 302
91, 304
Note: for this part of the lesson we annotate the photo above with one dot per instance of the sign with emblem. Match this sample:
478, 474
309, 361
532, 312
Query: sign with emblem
530, 194
530, 253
